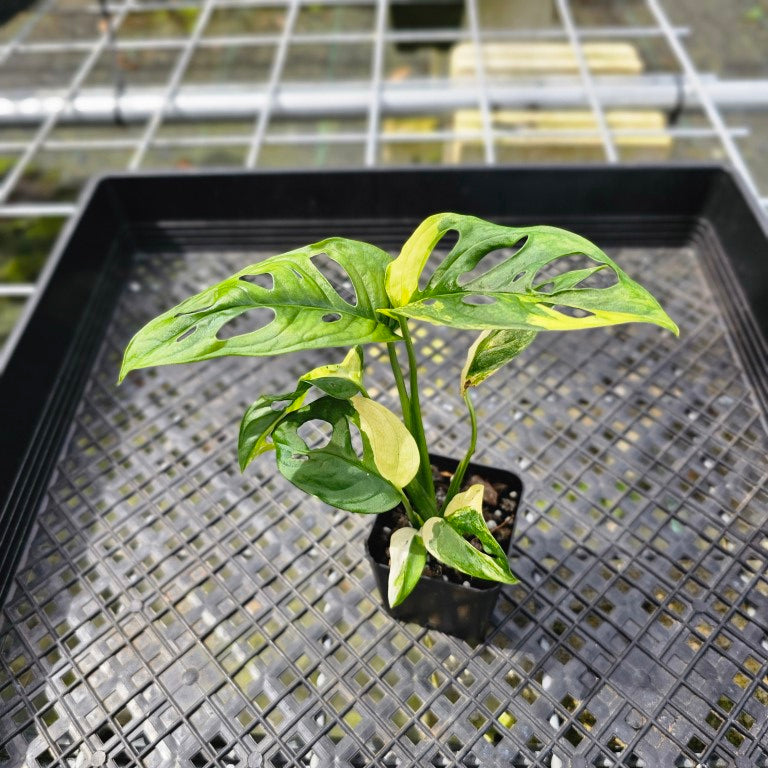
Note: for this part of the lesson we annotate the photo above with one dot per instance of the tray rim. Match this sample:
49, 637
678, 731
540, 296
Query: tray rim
55, 391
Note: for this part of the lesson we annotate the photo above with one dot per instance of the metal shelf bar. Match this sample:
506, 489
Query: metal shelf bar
482, 85
278, 63
173, 83
13, 176
589, 85
201, 102
377, 68
420, 36
37, 210
707, 104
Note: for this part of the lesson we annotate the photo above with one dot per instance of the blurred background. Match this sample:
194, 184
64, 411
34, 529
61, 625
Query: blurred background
95, 86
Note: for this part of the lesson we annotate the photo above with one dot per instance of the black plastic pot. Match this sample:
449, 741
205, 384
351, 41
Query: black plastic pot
462, 611
426, 14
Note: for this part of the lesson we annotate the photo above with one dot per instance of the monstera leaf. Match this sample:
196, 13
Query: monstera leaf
307, 312
491, 351
334, 472
516, 293
449, 546
342, 380
407, 558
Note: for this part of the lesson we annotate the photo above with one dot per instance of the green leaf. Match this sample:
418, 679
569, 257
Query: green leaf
334, 472
407, 556
394, 450
491, 351
308, 312
451, 548
342, 380
464, 514
260, 420
512, 294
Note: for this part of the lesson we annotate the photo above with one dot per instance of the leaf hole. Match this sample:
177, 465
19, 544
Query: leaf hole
443, 247
298, 274
357, 440
429, 302
488, 261
316, 433
264, 280
337, 276
560, 266
250, 321
478, 299
186, 334
331, 317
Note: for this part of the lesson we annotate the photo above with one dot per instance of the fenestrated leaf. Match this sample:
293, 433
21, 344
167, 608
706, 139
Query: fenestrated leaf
407, 558
308, 311
333, 472
341, 380
451, 548
260, 420
395, 452
513, 294
491, 351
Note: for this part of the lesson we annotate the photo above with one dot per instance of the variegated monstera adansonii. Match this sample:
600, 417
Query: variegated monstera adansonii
532, 288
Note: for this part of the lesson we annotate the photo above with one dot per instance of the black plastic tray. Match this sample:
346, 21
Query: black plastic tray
638, 631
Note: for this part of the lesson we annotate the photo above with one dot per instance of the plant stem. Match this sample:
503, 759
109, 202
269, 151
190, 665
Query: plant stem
397, 371
417, 425
413, 515
458, 475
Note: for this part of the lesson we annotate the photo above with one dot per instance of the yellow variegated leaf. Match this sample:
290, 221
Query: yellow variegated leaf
402, 279
407, 558
472, 497
395, 452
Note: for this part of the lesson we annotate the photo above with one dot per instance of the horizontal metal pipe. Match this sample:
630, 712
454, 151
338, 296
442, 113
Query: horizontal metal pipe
229, 102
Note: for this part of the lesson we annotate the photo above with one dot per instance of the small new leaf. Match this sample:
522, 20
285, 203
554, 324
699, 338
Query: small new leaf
395, 452
491, 351
342, 380
464, 514
472, 497
451, 548
260, 420
407, 557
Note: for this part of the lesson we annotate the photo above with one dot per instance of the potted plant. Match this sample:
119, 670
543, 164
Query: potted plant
375, 462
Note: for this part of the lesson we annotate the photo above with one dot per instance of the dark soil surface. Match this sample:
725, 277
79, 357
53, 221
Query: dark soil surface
499, 510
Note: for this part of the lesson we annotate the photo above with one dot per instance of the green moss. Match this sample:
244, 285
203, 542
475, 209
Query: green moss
24, 247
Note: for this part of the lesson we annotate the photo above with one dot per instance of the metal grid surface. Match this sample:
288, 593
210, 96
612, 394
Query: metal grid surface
88, 86
171, 612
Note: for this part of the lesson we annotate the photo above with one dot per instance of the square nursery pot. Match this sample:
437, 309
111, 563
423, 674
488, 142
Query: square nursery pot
456, 609
414, 15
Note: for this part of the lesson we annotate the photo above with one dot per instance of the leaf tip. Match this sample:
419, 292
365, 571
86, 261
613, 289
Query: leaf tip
125, 369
